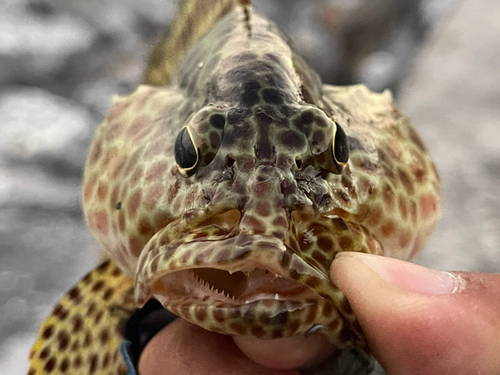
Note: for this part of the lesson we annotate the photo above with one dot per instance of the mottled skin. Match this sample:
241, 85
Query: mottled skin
264, 194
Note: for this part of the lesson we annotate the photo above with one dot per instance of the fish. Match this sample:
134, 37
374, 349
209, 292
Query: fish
225, 185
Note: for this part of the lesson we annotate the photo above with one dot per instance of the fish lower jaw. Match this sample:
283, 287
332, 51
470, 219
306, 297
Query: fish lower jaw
203, 286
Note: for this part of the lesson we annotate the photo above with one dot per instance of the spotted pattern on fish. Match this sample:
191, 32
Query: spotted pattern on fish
83, 333
222, 195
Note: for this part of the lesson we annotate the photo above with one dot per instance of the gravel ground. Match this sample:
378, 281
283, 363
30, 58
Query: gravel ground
61, 60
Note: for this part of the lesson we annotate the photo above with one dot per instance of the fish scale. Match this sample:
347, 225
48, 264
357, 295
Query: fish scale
238, 165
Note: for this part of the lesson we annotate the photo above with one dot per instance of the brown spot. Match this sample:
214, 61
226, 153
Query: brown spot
389, 197
32, 371
87, 279
219, 316
77, 323
253, 225
95, 152
200, 314
47, 332
103, 267
145, 227
93, 360
258, 332
294, 275
138, 125
263, 209
77, 362
325, 243
50, 365
116, 272
262, 188
339, 224
98, 317
428, 205
156, 171
98, 286
133, 204
405, 238
88, 190
388, 228
108, 294
75, 295
104, 336
367, 165
122, 221
394, 150
45, 352
294, 325
60, 312
280, 221
418, 171
238, 328
276, 333
75, 346
91, 308
311, 315
153, 195
293, 139
64, 365
135, 246
172, 192
99, 221
63, 340
327, 310
106, 360
405, 180
366, 186
102, 191
346, 243
88, 340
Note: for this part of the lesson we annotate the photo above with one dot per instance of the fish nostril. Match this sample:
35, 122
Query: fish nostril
229, 161
298, 163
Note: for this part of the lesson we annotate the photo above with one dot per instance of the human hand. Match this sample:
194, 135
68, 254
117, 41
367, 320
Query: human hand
417, 321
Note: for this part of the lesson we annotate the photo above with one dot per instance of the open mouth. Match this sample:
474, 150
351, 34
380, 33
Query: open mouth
210, 285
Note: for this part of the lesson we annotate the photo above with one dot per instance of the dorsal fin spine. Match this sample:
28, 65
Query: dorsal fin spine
195, 19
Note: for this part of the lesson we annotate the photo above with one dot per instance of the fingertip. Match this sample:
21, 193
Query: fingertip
421, 321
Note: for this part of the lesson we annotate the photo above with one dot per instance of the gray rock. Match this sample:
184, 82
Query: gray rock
452, 98
38, 127
34, 46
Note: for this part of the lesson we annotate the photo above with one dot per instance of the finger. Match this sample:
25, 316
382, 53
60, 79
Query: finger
421, 321
182, 348
286, 353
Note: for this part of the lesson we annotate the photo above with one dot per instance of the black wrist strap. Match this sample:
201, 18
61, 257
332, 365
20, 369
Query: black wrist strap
142, 326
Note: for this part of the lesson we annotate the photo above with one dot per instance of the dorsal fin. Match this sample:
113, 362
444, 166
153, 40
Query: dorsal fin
196, 18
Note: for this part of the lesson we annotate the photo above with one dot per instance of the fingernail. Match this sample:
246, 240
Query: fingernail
409, 276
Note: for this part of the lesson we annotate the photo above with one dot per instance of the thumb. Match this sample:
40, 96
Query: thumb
420, 321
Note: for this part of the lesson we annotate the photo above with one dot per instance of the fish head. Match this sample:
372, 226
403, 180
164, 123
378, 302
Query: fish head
231, 215
250, 250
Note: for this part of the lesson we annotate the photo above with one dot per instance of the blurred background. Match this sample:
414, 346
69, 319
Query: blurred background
61, 60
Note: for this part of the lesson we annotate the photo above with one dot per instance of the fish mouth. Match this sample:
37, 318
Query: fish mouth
222, 287
243, 285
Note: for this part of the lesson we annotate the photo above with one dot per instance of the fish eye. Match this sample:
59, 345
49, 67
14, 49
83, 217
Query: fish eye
340, 149
186, 152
